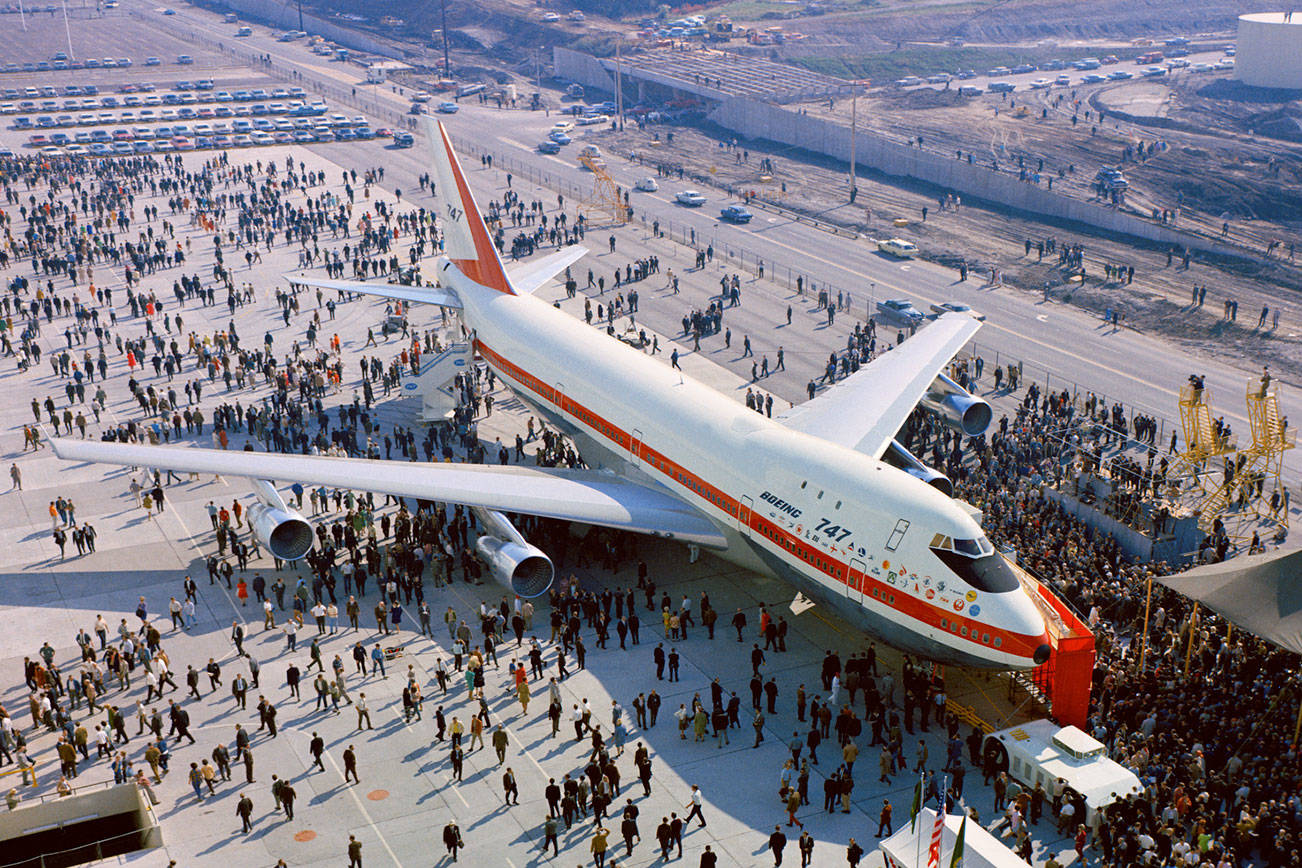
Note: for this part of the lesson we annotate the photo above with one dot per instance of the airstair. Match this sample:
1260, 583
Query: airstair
435, 385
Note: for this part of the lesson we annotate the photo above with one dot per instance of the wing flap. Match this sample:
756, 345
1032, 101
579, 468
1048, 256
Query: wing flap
574, 495
864, 411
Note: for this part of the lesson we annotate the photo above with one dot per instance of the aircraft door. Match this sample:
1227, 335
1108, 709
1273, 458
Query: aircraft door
635, 446
743, 515
854, 583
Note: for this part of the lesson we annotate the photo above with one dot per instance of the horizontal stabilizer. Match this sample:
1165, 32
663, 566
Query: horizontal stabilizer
527, 278
400, 292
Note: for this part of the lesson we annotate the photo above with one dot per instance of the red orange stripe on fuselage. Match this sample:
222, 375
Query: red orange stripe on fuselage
833, 568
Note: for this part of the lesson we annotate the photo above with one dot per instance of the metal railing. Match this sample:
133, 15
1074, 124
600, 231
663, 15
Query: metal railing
148, 838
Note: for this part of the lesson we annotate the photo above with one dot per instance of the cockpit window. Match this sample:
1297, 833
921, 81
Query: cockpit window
985, 572
969, 547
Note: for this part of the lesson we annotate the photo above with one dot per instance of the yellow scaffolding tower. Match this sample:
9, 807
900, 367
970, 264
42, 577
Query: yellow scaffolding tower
1245, 491
606, 194
1191, 478
1261, 465
1201, 442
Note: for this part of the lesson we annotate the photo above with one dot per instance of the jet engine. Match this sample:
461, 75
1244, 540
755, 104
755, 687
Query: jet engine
280, 528
957, 407
902, 459
513, 561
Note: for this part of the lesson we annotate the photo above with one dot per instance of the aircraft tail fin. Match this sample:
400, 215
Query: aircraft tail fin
466, 239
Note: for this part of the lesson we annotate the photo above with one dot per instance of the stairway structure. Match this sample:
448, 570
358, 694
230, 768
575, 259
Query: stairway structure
606, 194
435, 384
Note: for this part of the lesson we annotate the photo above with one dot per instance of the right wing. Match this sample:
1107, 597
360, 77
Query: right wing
401, 292
574, 495
865, 410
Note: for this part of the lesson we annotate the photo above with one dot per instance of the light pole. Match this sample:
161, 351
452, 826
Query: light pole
447, 67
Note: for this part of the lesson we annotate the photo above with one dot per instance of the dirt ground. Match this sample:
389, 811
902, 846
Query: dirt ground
986, 236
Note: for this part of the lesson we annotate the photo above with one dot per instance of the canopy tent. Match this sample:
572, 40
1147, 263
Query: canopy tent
980, 848
1258, 593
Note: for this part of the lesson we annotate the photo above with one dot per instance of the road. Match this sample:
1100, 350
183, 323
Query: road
1060, 346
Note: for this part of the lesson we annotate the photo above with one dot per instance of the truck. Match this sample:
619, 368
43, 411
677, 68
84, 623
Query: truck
574, 91
1041, 752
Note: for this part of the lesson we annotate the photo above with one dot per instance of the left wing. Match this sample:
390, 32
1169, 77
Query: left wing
401, 292
864, 411
586, 496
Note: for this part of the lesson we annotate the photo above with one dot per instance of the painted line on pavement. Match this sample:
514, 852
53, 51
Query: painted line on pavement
370, 821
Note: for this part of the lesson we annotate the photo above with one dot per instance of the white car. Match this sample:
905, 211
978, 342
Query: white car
550, 18
647, 185
898, 247
690, 198
1041, 84
563, 127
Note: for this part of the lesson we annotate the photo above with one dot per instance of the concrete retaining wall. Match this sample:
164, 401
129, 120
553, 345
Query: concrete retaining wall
581, 68
759, 120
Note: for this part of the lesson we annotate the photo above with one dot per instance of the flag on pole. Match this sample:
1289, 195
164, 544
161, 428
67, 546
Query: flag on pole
937, 831
916, 806
956, 860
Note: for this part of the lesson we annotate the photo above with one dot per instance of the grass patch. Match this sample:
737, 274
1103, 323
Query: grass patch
886, 66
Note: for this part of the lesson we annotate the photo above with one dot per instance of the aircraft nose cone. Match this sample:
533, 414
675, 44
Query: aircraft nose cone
1042, 653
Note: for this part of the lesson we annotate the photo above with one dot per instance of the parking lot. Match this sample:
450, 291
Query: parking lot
1153, 62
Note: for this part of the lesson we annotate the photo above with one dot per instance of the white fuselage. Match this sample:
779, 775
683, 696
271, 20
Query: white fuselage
842, 525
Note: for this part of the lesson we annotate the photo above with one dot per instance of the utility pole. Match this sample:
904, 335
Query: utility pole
300, 15
854, 117
447, 67
619, 85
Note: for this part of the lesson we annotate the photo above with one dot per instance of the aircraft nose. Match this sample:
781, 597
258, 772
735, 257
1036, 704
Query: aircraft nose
1042, 653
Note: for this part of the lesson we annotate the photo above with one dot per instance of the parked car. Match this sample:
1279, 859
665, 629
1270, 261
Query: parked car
690, 198
547, 146
647, 185
448, 108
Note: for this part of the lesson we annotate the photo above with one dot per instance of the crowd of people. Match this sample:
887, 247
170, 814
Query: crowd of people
1219, 778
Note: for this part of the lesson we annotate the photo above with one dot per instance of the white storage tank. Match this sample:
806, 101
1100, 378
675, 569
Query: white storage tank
1269, 50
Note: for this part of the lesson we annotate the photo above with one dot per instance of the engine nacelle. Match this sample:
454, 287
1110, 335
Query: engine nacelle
899, 457
284, 531
523, 568
513, 561
957, 407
